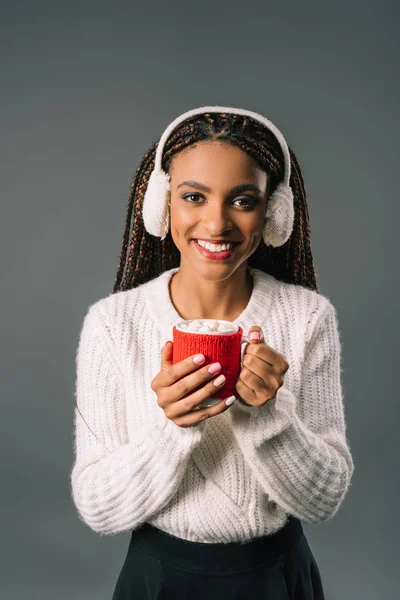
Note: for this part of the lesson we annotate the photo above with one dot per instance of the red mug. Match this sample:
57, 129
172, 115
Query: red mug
225, 347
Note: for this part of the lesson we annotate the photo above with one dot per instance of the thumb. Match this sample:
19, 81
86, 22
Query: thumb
255, 334
166, 354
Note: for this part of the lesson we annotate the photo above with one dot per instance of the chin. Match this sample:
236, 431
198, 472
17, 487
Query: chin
216, 272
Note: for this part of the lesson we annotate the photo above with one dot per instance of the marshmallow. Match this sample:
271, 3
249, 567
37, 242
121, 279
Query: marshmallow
208, 326
225, 327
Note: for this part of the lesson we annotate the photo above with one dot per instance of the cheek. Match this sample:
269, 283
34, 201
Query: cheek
255, 230
256, 221
181, 222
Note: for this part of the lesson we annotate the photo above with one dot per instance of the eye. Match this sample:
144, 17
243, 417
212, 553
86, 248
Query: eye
186, 196
249, 201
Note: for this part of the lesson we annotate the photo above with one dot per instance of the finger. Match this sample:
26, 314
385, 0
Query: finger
272, 357
189, 384
245, 392
172, 372
258, 366
255, 334
254, 395
252, 381
197, 416
166, 355
176, 407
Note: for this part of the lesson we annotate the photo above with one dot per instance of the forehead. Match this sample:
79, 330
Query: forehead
217, 159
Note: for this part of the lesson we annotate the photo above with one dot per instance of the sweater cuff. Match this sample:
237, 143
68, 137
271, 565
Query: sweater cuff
169, 433
268, 420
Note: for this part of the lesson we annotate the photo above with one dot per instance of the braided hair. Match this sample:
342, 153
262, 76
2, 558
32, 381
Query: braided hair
144, 257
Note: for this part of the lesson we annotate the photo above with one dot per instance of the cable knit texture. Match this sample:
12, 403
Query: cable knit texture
235, 476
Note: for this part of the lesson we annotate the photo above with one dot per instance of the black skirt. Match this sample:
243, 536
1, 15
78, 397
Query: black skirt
159, 566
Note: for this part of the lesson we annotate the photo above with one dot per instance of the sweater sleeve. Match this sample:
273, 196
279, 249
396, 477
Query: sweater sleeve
119, 481
296, 446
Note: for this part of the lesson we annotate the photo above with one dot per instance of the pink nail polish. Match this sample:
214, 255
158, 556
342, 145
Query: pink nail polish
254, 335
219, 381
199, 358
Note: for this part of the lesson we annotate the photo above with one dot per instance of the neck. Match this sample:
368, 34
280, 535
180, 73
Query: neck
195, 297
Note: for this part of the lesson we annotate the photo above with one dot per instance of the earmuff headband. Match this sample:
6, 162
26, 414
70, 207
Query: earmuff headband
231, 110
279, 218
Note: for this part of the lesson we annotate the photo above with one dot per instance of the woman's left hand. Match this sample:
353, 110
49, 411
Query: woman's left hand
263, 371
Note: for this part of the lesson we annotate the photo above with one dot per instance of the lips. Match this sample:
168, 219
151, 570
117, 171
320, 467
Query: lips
224, 255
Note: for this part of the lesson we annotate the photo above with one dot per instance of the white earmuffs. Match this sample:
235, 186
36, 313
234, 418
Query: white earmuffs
279, 216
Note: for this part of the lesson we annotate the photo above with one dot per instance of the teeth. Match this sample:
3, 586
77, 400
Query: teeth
213, 247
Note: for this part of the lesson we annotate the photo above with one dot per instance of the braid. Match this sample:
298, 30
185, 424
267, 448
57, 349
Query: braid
143, 256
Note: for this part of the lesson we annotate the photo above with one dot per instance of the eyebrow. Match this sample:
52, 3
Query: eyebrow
244, 187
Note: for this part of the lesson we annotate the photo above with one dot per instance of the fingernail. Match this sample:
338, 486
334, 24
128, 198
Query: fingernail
214, 368
199, 358
230, 400
220, 380
254, 335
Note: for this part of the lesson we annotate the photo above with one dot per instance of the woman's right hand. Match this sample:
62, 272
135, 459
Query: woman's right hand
174, 386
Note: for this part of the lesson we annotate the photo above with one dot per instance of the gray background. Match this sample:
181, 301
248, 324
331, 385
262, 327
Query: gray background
86, 87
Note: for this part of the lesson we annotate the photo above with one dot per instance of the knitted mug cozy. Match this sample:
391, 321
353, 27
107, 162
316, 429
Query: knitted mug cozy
224, 348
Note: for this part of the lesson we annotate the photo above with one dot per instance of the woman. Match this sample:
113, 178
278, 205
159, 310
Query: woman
214, 496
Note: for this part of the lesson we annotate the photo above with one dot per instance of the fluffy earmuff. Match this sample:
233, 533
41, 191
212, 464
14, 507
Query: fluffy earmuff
279, 216
156, 206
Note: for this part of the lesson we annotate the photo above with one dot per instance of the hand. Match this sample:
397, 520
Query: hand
262, 373
175, 385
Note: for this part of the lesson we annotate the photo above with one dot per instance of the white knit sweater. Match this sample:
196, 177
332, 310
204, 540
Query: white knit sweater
235, 476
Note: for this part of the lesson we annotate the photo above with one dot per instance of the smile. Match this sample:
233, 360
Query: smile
215, 252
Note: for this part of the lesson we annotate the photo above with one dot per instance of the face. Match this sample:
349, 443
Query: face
219, 193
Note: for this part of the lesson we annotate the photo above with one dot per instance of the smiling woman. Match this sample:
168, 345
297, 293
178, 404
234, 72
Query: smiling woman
217, 228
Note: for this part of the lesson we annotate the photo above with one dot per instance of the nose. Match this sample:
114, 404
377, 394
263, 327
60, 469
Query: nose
216, 219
